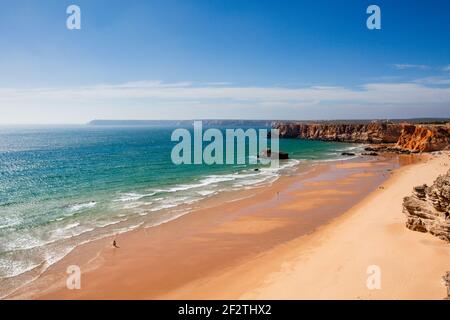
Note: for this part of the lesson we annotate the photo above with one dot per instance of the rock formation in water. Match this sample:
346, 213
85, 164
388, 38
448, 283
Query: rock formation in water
269, 154
428, 209
399, 136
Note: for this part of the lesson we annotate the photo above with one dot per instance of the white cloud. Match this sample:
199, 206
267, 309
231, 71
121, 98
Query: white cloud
447, 68
434, 80
186, 91
157, 99
403, 66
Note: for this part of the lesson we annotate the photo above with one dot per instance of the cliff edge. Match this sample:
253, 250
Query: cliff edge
401, 136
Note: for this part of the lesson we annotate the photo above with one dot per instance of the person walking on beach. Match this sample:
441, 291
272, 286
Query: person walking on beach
115, 244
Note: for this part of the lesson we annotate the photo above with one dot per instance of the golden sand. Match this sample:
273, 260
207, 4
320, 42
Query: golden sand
313, 239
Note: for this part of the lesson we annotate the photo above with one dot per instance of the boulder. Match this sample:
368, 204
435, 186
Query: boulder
446, 279
373, 154
428, 208
269, 154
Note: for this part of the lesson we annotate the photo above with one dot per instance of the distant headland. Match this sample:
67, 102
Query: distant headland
254, 122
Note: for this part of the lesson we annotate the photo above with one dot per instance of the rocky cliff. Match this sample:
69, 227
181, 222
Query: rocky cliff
371, 132
428, 209
410, 137
424, 138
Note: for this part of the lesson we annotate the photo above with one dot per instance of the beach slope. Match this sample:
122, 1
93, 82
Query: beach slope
338, 260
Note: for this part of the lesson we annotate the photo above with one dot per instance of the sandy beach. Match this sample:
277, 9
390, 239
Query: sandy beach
311, 235
332, 262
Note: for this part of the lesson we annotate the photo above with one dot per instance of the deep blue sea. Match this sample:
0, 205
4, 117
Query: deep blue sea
61, 186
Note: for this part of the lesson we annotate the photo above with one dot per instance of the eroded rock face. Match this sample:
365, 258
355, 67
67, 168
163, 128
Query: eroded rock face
403, 137
428, 209
424, 138
370, 133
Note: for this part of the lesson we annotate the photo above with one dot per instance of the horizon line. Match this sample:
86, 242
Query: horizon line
225, 119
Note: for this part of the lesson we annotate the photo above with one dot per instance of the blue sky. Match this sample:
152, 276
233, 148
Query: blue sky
255, 59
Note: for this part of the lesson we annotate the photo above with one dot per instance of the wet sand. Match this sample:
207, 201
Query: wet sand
335, 261
231, 249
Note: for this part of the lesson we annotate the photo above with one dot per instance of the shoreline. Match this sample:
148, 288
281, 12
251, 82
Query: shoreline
148, 220
332, 263
230, 236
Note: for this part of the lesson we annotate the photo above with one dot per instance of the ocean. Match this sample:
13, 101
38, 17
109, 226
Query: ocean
62, 186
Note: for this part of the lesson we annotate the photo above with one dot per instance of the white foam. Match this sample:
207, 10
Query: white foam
164, 206
10, 267
206, 192
109, 223
179, 194
71, 225
131, 196
81, 206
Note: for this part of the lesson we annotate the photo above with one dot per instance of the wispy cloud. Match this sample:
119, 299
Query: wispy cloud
447, 68
403, 66
434, 80
157, 92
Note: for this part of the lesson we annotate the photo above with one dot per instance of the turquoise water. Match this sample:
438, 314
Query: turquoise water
63, 186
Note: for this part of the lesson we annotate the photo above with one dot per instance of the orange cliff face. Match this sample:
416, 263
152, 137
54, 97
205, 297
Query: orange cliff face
346, 132
406, 137
424, 138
